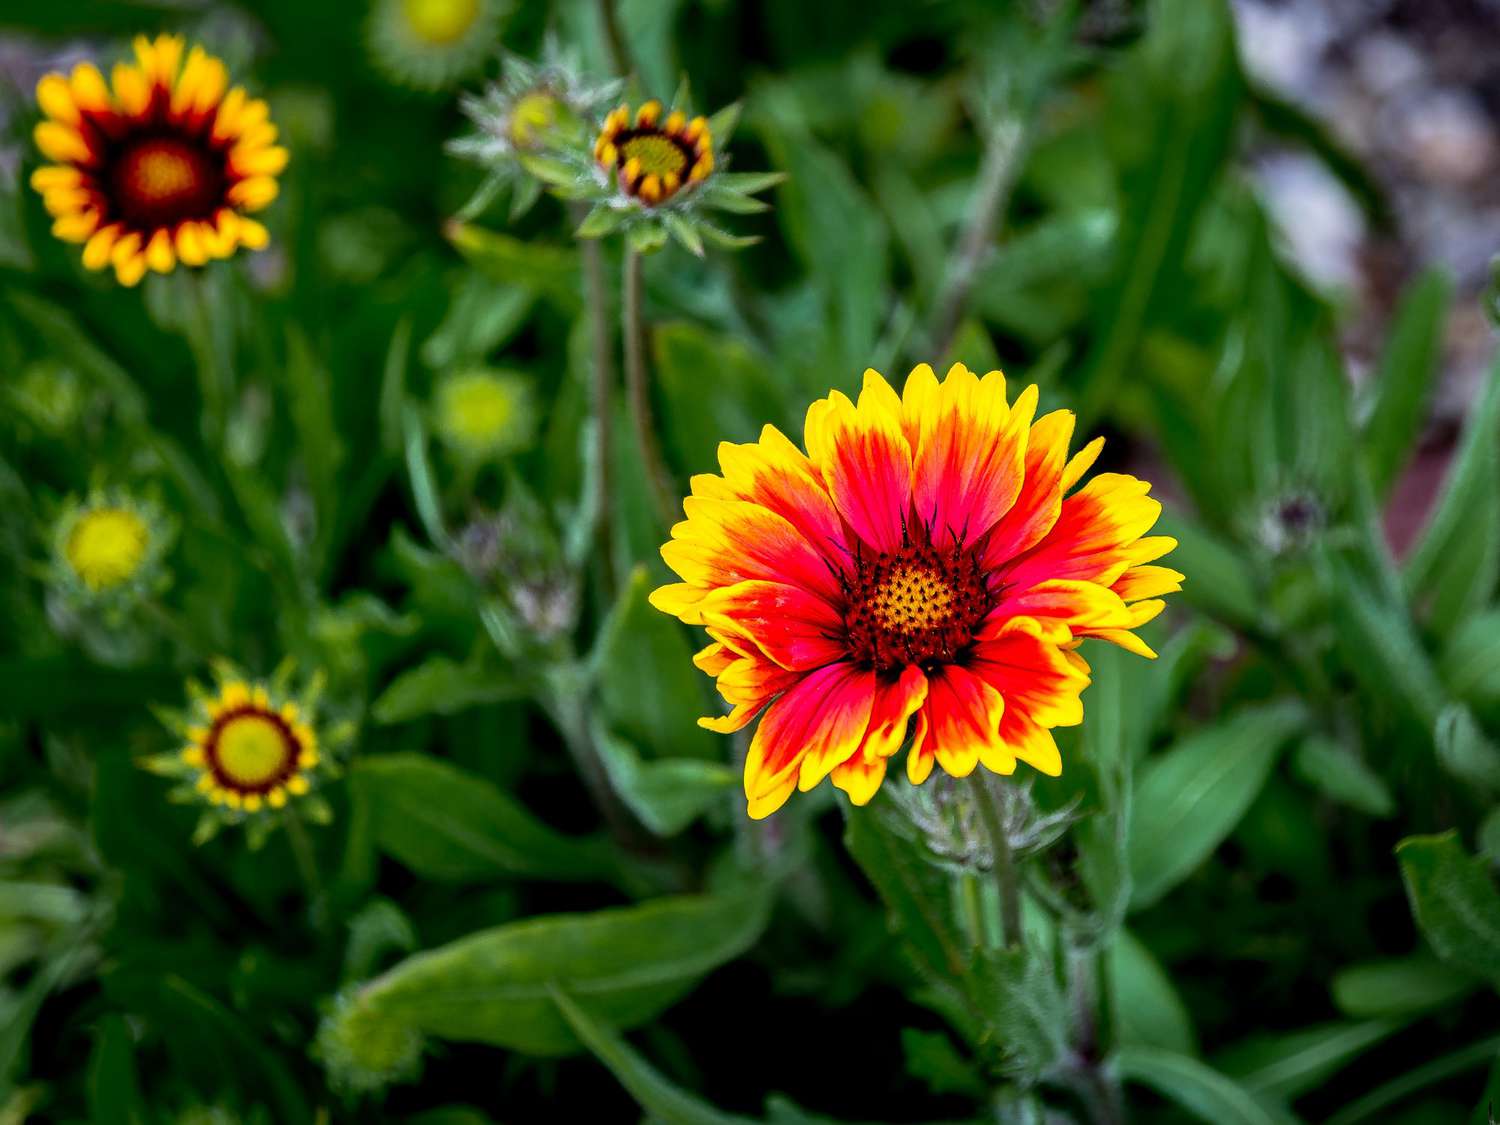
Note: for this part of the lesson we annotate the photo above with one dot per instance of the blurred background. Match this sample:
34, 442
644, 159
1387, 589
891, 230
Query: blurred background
1250, 243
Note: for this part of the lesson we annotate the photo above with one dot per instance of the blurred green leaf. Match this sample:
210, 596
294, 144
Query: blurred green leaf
666, 794
1471, 661
1401, 986
1147, 1009
1454, 900
1287, 1065
1219, 582
1454, 565
446, 824
1339, 774
932, 1057
649, 690
440, 686
663, 1100
626, 963
551, 271
1402, 380
1202, 1091
1191, 797
114, 1088
745, 397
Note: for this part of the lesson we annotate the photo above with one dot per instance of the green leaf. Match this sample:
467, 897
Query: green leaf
1402, 381
1286, 1066
551, 271
1464, 750
1471, 663
1445, 1066
1457, 559
1219, 583
1190, 798
666, 794
932, 1057
1401, 986
663, 1100
626, 963
1383, 651
684, 232
114, 1088
446, 824
600, 221
646, 237
649, 690
1454, 900
748, 183
1341, 775
721, 125
1199, 1089
441, 686
745, 396
1146, 1007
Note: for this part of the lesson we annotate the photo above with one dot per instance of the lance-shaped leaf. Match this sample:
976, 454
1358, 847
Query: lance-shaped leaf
1454, 900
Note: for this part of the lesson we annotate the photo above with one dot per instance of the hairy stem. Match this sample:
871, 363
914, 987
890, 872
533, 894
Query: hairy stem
1004, 862
664, 493
996, 175
603, 396
614, 38
307, 867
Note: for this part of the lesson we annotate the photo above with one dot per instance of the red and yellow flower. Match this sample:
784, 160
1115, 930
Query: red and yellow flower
653, 159
927, 564
164, 163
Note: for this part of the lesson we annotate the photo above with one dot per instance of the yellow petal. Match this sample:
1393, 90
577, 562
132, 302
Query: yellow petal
96, 250
61, 143
89, 88
254, 193
276, 798
55, 176
253, 235
132, 91
190, 247
55, 97
64, 201
257, 161
226, 121
77, 227
159, 254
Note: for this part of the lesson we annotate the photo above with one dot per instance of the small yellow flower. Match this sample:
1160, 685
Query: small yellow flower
429, 44
107, 546
164, 164
483, 414
248, 749
654, 159
107, 549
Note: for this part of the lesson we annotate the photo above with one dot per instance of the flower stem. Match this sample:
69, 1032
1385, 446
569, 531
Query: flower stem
996, 175
603, 386
212, 361
1004, 863
307, 867
663, 493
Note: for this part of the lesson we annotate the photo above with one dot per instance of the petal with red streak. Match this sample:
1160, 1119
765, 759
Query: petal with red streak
793, 628
821, 719
865, 461
959, 719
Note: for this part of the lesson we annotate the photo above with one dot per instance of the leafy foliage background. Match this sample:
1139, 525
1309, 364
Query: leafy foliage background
1285, 854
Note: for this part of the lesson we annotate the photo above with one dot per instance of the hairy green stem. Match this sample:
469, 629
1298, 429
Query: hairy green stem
1004, 862
614, 38
664, 493
307, 867
603, 394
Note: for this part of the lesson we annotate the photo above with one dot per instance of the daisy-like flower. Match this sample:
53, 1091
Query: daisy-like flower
430, 44
534, 108
249, 748
481, 414
164, 164
651, 158
925, 564
108, 550
654, 173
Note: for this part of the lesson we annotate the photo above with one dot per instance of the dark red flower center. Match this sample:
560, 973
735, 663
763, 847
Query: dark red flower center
159, 180
918, 605
251, 750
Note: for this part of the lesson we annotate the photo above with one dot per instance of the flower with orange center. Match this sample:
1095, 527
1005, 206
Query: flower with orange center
926, 564
163, 164
654, 159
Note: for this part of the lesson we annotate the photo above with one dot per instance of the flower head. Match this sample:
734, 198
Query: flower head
108, 549
926, 563
163, 165
653, 159
430, 44
482, 414
249, 747
536, 107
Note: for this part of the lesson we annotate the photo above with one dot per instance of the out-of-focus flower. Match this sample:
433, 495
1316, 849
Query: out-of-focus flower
927, 558
432, 44
49, 396
108, 551
163, 165
533, 108
654, 173
249, 748
363, 1050
482, 414
947, 814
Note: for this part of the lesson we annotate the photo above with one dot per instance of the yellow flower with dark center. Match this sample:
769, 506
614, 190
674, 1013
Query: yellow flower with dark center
163, 164
654, 159
251, 754
107, 546
429, 44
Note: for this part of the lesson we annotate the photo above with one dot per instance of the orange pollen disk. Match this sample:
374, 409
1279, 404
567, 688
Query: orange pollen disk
162, 180
917, 605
